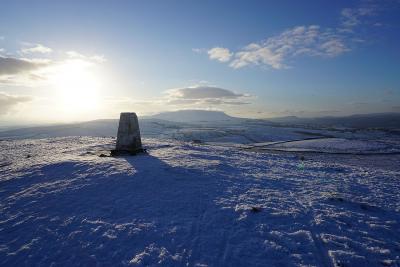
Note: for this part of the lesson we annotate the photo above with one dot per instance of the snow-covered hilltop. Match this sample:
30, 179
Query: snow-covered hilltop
188, 204
220, 127
213, 190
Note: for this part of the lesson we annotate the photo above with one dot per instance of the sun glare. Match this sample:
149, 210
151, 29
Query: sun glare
76, 85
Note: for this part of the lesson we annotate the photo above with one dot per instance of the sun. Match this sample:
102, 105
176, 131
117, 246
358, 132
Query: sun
76, 86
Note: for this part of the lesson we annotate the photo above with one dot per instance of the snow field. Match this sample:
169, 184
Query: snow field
192, 205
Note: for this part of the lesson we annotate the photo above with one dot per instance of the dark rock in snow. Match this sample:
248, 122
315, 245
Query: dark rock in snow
256, 209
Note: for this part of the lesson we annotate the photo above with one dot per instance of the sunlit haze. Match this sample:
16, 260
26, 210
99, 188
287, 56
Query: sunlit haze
64, 61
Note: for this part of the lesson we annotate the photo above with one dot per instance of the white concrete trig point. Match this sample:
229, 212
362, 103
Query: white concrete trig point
128, 137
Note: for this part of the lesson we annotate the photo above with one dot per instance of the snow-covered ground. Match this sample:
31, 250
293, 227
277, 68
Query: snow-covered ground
336, 145
186, 204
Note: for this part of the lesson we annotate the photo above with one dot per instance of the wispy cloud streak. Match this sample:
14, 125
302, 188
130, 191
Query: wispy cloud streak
278, 51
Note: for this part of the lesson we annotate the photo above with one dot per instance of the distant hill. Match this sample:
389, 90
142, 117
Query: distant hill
192, 116
101, 128
90, 128
360, 121
168, 123
156, 125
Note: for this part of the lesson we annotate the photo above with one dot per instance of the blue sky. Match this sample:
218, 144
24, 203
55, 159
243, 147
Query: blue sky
79, 60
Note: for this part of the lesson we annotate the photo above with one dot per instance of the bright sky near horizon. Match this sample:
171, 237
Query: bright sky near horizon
82, 60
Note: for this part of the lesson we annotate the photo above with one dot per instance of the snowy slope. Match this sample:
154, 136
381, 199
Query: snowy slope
232, 132
191, 205
216, 126
339, 145
97, 128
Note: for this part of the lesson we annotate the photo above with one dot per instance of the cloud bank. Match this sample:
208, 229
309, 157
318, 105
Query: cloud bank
205, 95
13, 66
8, 102
25, 70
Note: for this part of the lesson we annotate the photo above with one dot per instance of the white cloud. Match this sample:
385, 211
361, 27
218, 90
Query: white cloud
204, 95
257, 54
35, 48
352, 17
8, 102
333, 47
298, 41
279, 50
95, 58
219, 53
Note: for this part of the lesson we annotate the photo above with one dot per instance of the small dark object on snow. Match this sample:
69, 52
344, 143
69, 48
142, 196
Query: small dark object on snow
103, 155
302, 158
340, 199
28, 156
197, 141
115, 152
368, 207
255, 209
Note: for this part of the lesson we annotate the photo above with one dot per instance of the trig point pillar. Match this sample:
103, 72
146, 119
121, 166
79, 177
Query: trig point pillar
128, 137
